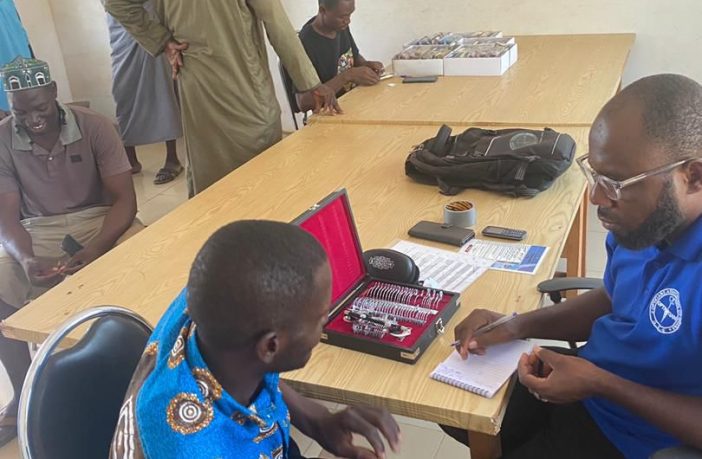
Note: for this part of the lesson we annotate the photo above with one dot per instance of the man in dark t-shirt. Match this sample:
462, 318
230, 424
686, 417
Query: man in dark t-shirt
333, 52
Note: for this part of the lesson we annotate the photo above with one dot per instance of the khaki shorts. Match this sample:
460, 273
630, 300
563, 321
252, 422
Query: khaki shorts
47, 234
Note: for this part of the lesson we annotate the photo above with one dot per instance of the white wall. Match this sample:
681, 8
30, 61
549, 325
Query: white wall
38, 21
82, 30
668, 31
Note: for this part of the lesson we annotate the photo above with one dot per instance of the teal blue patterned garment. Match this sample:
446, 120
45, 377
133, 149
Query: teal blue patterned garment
13, 40
175, 408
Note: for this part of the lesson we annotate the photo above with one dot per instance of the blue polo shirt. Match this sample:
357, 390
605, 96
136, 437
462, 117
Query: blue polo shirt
653, 335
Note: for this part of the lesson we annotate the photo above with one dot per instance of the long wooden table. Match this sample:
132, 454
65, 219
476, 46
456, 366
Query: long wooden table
557, 80
148, 271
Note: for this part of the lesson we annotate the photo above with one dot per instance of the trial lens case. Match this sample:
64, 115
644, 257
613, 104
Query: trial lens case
331, 222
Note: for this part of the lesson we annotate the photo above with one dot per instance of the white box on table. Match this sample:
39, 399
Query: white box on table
421, 60
454, 65
451, 38
513, 50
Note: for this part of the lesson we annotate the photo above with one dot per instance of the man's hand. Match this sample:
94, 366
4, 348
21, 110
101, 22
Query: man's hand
81, 259
377, 67
335, 432
174, 53
43, 272
4, 114
325, 102
363, 76
465, 331
557, 378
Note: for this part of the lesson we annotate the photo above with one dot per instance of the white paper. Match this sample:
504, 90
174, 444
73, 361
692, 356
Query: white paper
447, 270
483, 374
495, 251
505, 256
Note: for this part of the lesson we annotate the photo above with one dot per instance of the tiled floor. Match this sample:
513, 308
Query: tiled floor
422, 440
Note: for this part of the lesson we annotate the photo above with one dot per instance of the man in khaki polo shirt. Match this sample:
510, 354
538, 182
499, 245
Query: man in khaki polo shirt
63, 171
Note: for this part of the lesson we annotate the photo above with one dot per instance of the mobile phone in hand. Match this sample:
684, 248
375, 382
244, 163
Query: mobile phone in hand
70, 245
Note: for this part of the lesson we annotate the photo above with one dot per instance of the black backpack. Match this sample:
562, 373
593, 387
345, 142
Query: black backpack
518, 162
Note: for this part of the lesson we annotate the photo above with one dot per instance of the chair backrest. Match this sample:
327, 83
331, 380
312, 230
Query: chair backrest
289, 92
71, 399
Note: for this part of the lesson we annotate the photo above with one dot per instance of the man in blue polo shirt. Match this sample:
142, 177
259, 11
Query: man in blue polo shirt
636, 386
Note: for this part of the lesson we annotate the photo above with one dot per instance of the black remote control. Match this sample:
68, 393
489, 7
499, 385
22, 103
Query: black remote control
504, 233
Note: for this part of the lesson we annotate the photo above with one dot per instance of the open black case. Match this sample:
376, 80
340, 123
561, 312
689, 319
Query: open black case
392, 320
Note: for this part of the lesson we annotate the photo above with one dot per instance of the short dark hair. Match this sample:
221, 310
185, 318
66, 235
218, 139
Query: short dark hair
671, 108
329, 4
252, 277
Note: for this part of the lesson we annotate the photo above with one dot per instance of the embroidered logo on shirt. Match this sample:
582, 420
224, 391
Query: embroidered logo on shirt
76, 158
665, 311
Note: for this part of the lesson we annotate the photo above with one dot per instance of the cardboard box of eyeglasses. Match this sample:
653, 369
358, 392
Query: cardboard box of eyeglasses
421, 60
482, 57
370, 315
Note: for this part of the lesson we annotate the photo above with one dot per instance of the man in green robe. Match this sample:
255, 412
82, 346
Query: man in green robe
217, 49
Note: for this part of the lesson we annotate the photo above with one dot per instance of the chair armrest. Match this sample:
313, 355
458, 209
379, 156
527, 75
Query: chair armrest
562, 284
679, 452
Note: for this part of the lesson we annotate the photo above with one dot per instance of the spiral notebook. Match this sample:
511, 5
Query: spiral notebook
482, 374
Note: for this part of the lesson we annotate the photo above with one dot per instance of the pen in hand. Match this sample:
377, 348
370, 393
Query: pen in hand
489, 327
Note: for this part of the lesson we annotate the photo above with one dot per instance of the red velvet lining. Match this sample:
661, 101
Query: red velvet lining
334, 228
339, 325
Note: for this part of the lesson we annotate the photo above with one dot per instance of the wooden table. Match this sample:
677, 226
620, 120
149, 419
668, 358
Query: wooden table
148, 271
557, 80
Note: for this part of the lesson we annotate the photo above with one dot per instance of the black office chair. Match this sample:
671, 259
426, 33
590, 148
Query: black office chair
71, 399
555, 288
289, 94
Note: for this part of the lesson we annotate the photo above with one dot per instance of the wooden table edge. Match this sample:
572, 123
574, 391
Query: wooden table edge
487, 425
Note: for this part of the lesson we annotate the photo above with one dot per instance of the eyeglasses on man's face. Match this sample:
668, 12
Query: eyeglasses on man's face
613, 188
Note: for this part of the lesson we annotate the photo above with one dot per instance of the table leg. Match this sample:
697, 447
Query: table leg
484, 446
575, 246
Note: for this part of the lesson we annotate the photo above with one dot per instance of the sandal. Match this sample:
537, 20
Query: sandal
165, 175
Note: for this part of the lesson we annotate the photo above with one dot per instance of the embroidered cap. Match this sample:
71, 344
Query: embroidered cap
24, 73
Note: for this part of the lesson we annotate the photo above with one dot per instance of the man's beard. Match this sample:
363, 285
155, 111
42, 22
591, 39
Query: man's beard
662, 222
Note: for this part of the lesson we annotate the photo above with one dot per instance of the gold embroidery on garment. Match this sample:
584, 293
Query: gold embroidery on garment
266, 433
278, 453
209, 386
239, 418
151, 349
187, 415
178, 351
256, 419
193, 327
